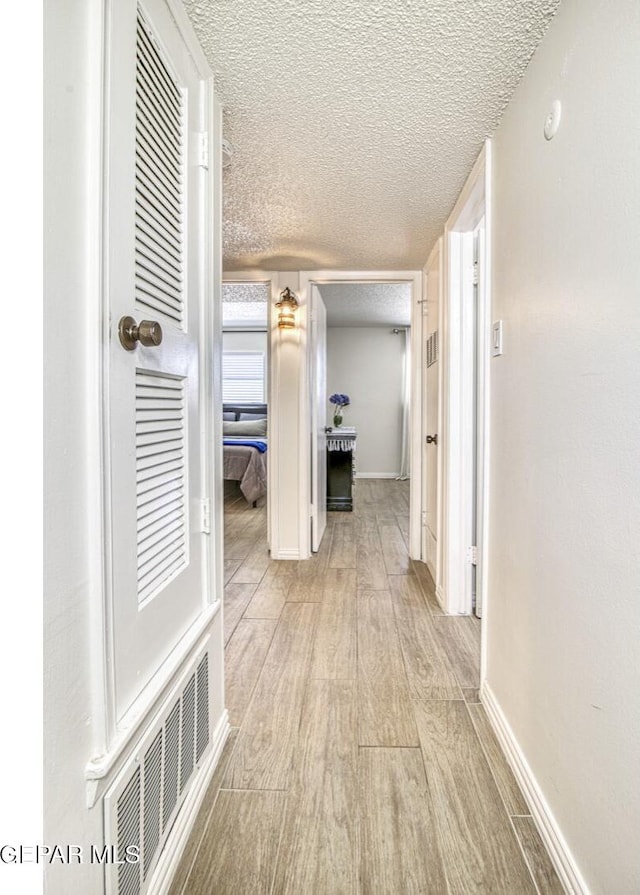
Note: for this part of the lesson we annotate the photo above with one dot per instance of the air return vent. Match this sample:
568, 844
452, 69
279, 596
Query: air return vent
142, 805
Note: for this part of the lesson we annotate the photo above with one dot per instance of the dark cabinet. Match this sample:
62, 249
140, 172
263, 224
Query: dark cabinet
341, 447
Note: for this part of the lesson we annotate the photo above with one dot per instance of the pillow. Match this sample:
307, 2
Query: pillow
228, 415
251, 416
245, 427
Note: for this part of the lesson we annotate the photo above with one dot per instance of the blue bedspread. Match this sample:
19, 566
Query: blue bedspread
259, 445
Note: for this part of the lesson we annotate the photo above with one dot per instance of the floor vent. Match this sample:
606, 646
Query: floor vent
142, 804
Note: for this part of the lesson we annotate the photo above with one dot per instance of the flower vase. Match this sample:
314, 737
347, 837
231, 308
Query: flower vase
337, 420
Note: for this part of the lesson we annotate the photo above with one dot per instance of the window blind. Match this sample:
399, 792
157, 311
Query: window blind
243, 377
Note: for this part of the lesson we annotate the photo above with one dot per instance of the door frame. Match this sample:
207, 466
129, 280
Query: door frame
316, 433
473, 205
414, 279
268, 278
436, 256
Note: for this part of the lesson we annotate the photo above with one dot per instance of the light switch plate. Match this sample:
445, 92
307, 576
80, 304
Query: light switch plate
497, 345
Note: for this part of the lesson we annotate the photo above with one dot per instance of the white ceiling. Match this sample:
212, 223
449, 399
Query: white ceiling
245, 305
367, 304
356, 122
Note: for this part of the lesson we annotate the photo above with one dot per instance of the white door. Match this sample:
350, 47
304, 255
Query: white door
155, 186
318, 381
431, 366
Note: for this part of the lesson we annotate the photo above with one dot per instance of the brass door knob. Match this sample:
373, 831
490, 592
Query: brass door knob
147, 332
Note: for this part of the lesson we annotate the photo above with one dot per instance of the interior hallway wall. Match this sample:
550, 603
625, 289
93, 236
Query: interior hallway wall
564, 558
72, 406
367, 363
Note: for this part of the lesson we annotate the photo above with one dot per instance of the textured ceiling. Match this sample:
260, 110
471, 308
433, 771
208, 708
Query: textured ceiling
245, 305
356, 122
367, 304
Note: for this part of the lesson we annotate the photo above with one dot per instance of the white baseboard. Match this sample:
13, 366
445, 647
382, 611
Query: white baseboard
554, 841
287, 553
179, 835
441, 598
377, 475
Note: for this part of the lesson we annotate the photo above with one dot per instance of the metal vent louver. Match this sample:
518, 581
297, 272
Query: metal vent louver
171, 763
159, 185
202, 707
129, 811
188, 731
152, 776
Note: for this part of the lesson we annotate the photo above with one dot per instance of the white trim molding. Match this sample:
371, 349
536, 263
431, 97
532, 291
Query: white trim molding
550, 832
458, 385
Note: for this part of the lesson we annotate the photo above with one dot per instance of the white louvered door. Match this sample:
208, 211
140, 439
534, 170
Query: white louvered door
156, 177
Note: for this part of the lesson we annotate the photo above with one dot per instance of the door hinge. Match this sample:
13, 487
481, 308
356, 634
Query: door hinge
205, 511
476, 275
202, 150
472, 555
424, 517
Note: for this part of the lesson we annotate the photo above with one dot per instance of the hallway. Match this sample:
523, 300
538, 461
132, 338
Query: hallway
360, 759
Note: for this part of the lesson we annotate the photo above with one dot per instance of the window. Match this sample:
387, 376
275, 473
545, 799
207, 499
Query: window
243, 377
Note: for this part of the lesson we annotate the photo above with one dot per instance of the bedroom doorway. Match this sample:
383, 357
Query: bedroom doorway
245, 404
369, 330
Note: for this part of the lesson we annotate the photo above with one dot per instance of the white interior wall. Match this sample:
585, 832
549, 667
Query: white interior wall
71, 93
367, 363
564, 614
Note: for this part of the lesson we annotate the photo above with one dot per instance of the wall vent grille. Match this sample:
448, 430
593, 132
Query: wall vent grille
159, 184
143, 803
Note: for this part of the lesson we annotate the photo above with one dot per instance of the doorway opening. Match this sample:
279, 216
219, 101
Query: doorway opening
245, 419
367, 359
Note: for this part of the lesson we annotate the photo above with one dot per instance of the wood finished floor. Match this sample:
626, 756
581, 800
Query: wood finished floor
360, 758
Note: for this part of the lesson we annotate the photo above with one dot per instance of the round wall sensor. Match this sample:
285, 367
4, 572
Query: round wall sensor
552, 122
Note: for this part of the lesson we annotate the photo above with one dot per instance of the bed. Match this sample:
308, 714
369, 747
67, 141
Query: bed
245, 448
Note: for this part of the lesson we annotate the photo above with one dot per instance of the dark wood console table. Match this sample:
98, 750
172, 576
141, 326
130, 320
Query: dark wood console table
341, 448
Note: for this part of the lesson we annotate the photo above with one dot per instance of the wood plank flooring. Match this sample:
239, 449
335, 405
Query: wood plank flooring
360, 761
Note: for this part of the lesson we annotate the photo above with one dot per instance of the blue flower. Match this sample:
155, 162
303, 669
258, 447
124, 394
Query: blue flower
340, 400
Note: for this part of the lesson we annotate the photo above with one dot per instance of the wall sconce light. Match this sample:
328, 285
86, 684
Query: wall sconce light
287, 307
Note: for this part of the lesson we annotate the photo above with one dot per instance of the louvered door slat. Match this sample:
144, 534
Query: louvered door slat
155, 205
156, 510
159, 164
166, 530
159, 167
146, 38
153, 461
160, 482
164, 491
160, 137
154, 263
148, 223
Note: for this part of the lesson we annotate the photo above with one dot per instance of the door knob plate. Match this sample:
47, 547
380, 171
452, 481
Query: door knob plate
147, 333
